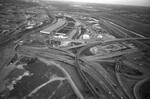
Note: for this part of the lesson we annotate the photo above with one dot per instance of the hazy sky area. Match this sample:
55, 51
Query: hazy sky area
123, 2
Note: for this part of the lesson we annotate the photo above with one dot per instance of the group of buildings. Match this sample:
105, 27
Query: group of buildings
69, 27
16, 18
111, 48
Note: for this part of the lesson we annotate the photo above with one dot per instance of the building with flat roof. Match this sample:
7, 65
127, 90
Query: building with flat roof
85, 36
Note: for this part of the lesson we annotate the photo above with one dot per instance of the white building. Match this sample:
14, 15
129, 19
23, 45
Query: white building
99, 36
85, 36
94, 50
96, 26
92, 21
65, 43
45, 32
60, 36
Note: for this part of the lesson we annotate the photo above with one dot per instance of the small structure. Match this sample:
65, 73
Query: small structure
96, 26
99, 36
90, 18
94, 50
29, 27
45, 32
106, 37
60, 36
85, 36
92, 21
65, 43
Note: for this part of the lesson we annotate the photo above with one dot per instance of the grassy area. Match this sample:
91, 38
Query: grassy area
138, 27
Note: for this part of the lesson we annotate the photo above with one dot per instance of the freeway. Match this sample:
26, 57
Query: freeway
95, 70
105, 60
126, 61
104, 77
60, 58
96, 78
108, 41
46, 49
77, 92
84, 78
115, 92
110, 55
118, 71
47, 54
133, 64
108, 81
120, 63
120, 30
13, 38
129, 32
113, 30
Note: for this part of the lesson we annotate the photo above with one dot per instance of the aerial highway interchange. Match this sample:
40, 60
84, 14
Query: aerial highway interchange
73, 56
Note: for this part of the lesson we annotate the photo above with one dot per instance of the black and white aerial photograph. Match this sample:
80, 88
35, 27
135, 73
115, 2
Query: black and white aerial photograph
74, 49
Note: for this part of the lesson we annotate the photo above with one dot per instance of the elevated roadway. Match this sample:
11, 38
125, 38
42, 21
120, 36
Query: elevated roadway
100, 74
